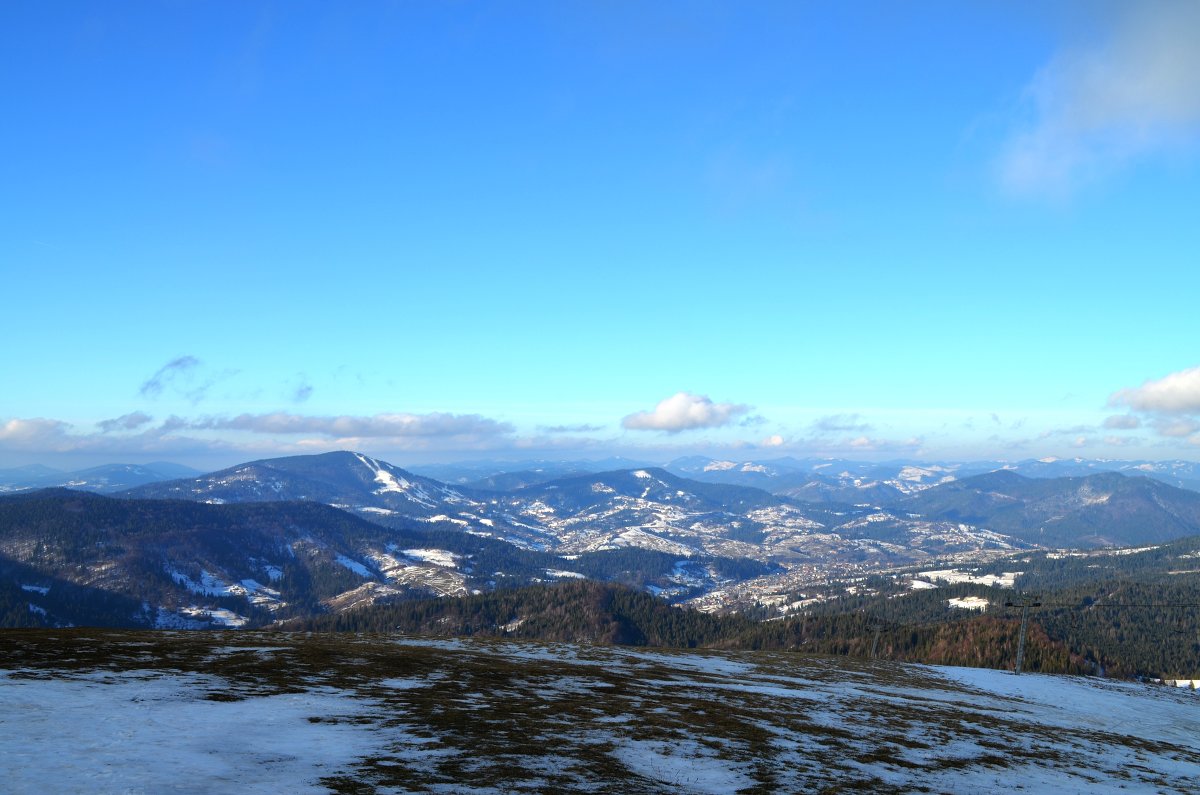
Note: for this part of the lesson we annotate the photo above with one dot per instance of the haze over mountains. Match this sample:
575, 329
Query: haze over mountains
105, 479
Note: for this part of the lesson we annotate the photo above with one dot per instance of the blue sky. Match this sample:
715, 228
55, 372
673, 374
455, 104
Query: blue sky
434, 231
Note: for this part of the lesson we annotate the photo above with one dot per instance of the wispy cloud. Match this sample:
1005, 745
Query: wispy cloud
582, 428
166, 374
841, 423
1122, 422
126, 422
303, 390
825, 444
185, 377
1073, 430
1175, 427
346, 426
867, 443
684, 411
1094, 109
740, 181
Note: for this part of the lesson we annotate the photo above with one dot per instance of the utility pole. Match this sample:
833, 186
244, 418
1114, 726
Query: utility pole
1025, 605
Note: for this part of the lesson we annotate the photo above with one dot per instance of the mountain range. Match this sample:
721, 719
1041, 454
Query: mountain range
1104, 509
105, 479
297, 535
647, 508
840, 480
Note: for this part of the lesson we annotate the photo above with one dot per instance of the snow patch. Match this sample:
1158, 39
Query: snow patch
565, 574
438, 557
1004, 580
143, 732
969, 602
389, 483
684, 765
355, 566
441, 517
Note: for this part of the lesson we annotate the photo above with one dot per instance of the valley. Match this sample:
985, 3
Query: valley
292, 539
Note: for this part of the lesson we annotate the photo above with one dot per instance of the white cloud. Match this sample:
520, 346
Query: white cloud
775, 440
1177, 393
47, 436
224, 439
1096, 108
33, 434
684, 411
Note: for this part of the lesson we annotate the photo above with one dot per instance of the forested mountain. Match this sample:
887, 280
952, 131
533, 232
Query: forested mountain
339, 478
69, 557
1098, 510
1107, 628
841, 480
511, 481
576, 612
1117, 611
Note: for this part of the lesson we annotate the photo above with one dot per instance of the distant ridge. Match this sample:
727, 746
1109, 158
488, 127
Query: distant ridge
1106, 508
105, 479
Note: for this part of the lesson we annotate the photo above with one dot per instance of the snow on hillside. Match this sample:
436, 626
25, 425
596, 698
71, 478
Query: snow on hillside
388, 482
110, 712
149, 732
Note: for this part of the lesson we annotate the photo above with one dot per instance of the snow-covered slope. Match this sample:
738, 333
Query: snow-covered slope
648, 508
345, 478
91, 712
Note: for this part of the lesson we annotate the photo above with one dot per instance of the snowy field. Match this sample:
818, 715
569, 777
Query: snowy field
91, 711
